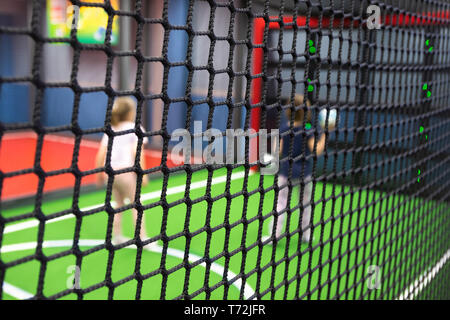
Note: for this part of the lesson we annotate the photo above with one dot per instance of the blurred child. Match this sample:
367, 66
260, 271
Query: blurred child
123, 156
300, 167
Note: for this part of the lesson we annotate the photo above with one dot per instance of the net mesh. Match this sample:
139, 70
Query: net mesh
378, 195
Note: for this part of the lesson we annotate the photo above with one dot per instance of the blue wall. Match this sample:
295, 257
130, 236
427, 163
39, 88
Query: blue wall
14, 98
178, 41
177, 49
14, 103
58, 102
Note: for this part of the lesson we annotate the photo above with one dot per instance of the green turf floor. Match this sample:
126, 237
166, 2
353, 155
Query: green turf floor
355, 230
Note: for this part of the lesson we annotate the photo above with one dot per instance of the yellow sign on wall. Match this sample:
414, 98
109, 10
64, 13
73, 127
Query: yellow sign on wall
90, 22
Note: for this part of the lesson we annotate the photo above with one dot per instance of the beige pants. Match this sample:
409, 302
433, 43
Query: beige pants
282, 203
124, 187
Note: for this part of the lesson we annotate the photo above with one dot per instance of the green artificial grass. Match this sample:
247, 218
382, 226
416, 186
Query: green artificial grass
352, 232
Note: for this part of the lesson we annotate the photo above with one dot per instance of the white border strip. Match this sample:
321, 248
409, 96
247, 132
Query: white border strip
421, 282
215, 267
51, 138
84, 143
20, 135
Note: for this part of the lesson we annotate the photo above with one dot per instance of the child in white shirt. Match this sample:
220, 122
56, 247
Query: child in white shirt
123, 155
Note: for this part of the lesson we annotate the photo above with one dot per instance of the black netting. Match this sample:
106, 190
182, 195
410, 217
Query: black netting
374, 220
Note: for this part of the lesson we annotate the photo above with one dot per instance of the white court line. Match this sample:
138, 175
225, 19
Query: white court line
414, 289
21, 294
248, 291
421, 282
215, 267
145, 197
15, 292
34, 223
48, 244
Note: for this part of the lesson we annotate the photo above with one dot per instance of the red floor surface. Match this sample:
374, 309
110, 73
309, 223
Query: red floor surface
18, 152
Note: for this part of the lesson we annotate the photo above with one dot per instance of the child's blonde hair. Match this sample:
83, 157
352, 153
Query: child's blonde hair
299, 113
122, 108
